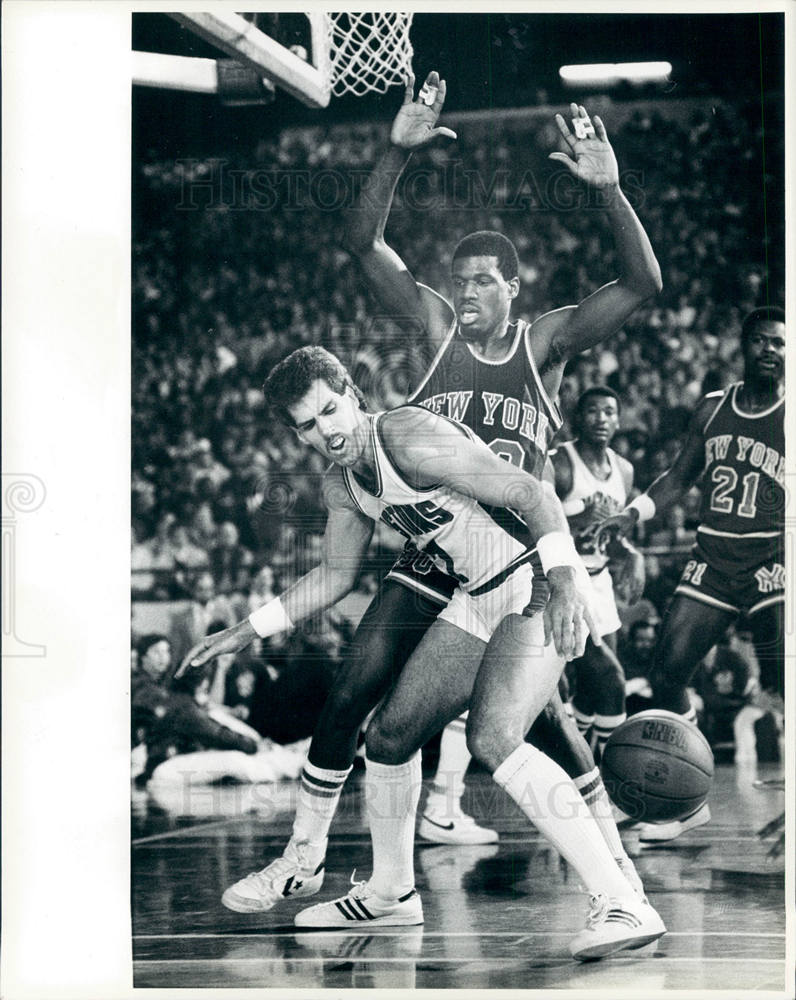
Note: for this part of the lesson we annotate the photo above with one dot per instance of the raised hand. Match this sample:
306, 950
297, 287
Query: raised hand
414, 125
594, 162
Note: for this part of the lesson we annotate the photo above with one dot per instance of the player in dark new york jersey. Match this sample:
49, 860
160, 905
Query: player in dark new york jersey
735, 447
496, 375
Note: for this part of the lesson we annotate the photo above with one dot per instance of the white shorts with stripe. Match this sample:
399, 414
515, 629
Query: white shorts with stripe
479, 613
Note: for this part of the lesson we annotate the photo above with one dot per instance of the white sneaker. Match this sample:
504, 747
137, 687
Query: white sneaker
615, 924
652, 834
458, 828
361, 907
288, 876
628, 869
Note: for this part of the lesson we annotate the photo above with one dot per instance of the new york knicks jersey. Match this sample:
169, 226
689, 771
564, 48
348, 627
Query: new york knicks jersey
584, 486
742, 515
503, 402
464, 538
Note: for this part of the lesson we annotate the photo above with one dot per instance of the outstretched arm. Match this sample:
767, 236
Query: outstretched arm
346, 540
392, 283
558, 335
672, 484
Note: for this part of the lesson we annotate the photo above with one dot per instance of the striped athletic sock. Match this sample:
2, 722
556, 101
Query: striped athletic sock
592, 789
549, 798
392, 792
582, 721
604, 725
445, 795
319, 793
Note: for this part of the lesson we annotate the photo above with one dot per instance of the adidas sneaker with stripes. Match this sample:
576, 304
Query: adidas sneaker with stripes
361, 906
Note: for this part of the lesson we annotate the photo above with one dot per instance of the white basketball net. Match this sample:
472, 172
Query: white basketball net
368, 52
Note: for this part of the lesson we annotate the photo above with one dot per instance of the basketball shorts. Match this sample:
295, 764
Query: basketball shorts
479, 612
472, 613
604, 603
721, 574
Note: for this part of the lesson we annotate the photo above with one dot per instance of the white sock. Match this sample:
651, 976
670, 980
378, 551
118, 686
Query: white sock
592, 789
604, 725
582, 721
392, 792
445, 795
319, 793
569, 708
549, 798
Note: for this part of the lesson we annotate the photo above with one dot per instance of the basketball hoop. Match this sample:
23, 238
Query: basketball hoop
350, 53
368, 52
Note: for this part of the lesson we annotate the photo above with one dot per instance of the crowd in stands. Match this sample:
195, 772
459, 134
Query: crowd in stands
237, 261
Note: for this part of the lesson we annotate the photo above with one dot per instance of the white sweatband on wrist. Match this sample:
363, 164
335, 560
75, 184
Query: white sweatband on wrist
270, 619
573, 507
644, 506
556, 548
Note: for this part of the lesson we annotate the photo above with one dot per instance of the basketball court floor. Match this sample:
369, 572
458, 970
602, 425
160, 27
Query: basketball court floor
497, 916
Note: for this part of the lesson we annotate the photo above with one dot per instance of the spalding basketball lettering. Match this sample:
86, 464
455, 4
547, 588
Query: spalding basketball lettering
661, 733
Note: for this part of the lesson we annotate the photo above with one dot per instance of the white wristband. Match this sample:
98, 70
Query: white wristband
270, 619
556, 548
644, 506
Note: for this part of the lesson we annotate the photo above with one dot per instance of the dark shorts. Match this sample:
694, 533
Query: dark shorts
734, 575
418, 571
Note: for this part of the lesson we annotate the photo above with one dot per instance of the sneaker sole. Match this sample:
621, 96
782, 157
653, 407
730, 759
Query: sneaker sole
624, 944
245, 904
656, 841
303, 919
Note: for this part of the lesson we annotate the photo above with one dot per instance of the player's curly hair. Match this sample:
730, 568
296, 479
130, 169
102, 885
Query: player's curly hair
490, 243
764, 314
292, 378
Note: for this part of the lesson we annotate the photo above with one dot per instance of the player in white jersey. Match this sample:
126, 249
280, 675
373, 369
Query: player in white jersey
442, 488
593, 482
498, 376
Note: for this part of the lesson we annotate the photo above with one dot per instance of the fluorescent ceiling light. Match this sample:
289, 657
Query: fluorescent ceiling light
638, 72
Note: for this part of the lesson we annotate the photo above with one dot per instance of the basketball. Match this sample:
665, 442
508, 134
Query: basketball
657, 767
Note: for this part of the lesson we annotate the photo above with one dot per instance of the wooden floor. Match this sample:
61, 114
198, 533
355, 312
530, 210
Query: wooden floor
498, 916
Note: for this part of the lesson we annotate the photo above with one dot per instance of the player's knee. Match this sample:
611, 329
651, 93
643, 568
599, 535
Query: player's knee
387, 743
490, 745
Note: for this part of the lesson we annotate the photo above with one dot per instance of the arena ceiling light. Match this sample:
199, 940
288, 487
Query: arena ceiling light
613, 73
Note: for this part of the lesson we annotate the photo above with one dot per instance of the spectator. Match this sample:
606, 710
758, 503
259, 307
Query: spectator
188, 746
230, 561
725, 683
147, 692
188, 558
152, 560
191, 624
635, 655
